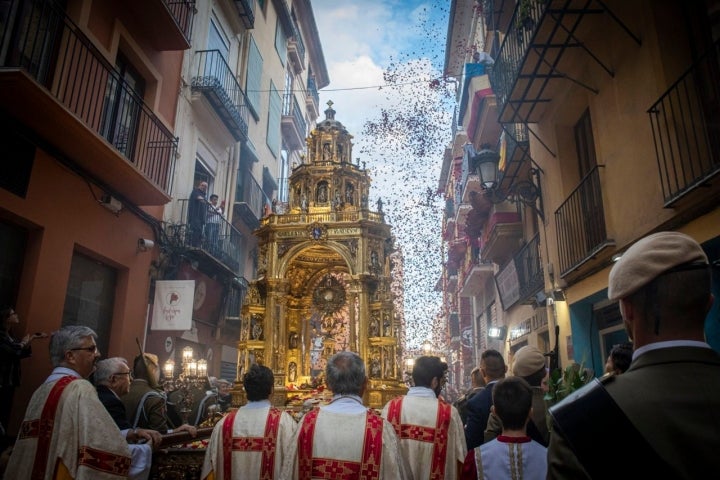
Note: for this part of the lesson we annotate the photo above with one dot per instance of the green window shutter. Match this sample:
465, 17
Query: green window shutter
280, 43
253, 82
273, 127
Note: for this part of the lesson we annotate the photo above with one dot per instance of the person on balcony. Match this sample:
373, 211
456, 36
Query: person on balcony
197, 213
257, 433
212, 226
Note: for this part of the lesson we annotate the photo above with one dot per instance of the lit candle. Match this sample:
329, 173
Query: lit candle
192, 368
169, 368
187, 354
202, 368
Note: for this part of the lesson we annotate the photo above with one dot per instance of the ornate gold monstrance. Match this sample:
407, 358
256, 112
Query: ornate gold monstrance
324, 277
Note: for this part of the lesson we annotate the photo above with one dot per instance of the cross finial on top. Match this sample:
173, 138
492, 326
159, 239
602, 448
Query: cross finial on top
330, 103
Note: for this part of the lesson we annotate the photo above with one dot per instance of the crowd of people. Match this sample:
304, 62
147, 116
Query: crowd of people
74, 429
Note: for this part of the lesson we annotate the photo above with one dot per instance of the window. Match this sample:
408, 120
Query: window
12, 244
280, 42
273, 125
284, 174
585, 144
122, 107
217, 40
16, 168
253, 81
90, 297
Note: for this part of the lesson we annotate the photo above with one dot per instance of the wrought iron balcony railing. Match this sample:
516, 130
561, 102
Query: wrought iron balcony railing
686, 128
40, 39
207, 230
529, 269
250, 199
214, 78
580, 223
183, 12
293, 122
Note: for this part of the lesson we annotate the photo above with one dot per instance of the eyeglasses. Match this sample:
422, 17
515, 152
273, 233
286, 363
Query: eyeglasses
91, 349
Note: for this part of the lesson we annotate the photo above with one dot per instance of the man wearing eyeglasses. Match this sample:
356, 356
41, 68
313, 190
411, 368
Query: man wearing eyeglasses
66, 432
432, 440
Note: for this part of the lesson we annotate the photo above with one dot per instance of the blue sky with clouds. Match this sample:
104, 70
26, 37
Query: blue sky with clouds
360, 40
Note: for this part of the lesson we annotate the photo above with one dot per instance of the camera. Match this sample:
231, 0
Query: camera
145, 244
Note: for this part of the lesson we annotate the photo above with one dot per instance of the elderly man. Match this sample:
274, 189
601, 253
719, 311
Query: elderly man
67, 433
145, 404
250, 442
344, 439
432, 439
660, 416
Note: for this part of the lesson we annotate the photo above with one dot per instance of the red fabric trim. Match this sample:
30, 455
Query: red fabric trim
442, 425
504, 439
227, 444
476, 101
305, 444
394, 409
335, 469
268, 456
44, 427
103, 461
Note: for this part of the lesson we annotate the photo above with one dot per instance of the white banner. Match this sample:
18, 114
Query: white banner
173, 306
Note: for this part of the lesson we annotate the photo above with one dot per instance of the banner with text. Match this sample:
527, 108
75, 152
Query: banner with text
173, 306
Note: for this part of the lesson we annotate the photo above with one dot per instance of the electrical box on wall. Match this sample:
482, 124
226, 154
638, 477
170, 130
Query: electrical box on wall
111, 203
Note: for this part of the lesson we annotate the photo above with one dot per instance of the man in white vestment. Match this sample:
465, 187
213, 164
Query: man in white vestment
432, 439
67, 433
344, 439
257, 435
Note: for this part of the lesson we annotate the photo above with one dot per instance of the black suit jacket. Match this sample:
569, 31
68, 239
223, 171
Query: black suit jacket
114, 406
478, 411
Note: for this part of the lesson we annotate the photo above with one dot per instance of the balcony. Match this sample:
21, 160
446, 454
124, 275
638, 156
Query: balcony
293, 123
478, 106
543, 43
686, 129
207, 234
501, 236
312, 99
580, 220
245, 10
167, 22
522, 276
214, 79
296, 51
108, 131
250, 200
476, 273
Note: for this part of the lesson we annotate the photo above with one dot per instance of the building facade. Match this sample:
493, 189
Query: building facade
607, 134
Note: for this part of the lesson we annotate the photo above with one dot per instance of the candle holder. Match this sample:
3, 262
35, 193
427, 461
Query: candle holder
191, 379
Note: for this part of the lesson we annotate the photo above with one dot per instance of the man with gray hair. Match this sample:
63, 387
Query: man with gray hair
66, 432
660, 416
344, 438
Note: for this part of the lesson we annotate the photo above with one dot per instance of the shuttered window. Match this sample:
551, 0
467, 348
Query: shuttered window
253, 82
273, 127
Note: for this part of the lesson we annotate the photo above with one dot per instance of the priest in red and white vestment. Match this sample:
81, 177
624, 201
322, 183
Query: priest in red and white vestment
344, 440
250, 442
432, 438
67, 433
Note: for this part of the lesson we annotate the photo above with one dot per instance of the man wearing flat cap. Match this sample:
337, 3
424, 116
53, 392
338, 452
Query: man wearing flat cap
662, 415
530, 364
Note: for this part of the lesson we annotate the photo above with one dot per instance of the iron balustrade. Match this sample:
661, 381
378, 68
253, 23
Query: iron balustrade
292, 109
529, 268
686, 128
214, 78
580, 221
183, 12
215, 236
49, 47
504, 72
251, 198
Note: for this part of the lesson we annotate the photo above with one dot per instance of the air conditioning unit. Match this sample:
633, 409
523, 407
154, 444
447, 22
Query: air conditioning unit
111, 203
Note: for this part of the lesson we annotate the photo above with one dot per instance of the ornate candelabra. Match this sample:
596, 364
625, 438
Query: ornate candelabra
190, 380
